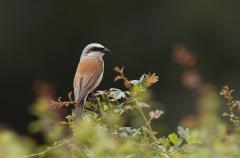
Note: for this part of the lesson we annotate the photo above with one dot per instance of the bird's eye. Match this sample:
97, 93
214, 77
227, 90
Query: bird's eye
96, 49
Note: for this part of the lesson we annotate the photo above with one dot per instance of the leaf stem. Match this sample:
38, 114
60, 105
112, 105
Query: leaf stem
57, 145
145, 119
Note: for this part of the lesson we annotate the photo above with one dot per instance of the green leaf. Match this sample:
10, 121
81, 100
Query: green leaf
128, 130
173, 138
136, 88
142, 105
184, 133
137, 82
142, 78
165, 142
105, 107
117, 94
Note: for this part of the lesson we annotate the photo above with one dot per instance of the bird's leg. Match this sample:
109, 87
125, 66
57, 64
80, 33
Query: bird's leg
79, 107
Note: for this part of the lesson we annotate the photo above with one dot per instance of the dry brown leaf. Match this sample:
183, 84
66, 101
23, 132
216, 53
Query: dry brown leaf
117, 78
121, 76
151, 79
119, 70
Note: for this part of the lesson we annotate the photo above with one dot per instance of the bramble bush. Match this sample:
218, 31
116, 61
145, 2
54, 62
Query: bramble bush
106, 129
102, 130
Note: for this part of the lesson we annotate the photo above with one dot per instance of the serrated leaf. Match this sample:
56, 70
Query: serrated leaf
173, 138
117, 94
184, 133
137, 89
142, 78
150, 79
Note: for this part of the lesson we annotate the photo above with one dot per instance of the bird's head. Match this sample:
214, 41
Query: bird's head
95, 50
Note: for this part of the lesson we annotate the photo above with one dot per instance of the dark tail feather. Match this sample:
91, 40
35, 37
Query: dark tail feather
79, 109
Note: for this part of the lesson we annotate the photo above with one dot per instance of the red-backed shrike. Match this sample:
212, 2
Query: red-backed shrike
89, 73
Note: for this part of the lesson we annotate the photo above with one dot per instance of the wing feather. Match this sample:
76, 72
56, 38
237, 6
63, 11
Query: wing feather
86, 78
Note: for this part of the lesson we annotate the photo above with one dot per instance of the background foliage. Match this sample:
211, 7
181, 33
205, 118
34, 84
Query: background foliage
192, 45
105, 129
43, 40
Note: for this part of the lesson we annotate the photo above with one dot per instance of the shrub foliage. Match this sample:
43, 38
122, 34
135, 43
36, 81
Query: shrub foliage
102, 130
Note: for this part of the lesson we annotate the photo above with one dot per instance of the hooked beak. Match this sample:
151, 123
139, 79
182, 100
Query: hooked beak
106, 50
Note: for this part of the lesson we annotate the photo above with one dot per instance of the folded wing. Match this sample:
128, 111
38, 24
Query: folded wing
87, 77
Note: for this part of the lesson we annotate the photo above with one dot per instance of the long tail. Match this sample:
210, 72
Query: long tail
79, 108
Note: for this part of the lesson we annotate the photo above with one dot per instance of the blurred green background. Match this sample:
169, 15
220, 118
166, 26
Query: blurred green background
43, 40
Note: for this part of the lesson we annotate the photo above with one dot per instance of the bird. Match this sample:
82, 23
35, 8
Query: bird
89, 74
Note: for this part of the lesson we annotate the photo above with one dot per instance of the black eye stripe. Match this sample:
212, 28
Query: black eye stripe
96, 49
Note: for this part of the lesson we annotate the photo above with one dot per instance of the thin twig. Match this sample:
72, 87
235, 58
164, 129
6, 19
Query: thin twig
57, 145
